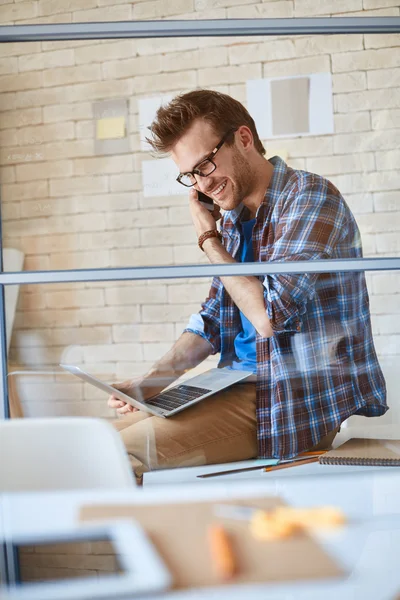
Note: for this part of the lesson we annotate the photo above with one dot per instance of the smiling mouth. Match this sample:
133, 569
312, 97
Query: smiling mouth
219, 189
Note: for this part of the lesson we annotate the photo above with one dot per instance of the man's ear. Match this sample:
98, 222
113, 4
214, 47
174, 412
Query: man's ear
245, 137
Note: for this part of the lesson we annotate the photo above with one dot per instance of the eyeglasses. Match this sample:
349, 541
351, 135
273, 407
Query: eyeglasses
205, 167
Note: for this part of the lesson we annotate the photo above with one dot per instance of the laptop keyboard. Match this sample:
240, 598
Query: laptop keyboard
177, 396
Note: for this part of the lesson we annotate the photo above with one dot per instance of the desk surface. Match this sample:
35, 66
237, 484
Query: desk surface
368, 548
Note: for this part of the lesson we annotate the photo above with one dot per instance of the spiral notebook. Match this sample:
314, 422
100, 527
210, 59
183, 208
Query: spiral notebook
361, 451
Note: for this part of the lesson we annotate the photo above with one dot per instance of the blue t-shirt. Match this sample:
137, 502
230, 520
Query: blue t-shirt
245, 341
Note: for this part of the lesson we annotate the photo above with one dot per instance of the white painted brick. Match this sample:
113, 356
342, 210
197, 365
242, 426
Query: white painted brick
385, 303
48, 318
384, 180
24, 191
269, 10
147, 46
84, 129
54, 392
22, 81
386, 161
308, 146
125, 183
189, 254
185, 294
372, 4
360, 203
78, 185
244, 52
386, 201
155, 351
81, 335
113, 352
369, 245
327, 44
108, 315
387, 345
218, 13
51, 7
31, 301
379, 223
8, 65
142, 257
385, 119
32, 171
40, 97
156, 9
381, 40
353, 122
349, 82
21, 118
354, 183
299, 66
97, 90
131, 67
108, 239
126, 333
384, 78
143, 84
229, 74
206, 57
168, 313
367, 100
108, 50
167, 236
18, 49
154, 294
312, 8
7, 175
64, 224
67, 112
179, 215
74, 299
364, 142
66, 76
103, 164
140, 218
105, 13
81, 260
156, 333
9, 211
365, 60
380, 12
46, 60
333, 165
389, 243
36, 263
128, 370
15, 12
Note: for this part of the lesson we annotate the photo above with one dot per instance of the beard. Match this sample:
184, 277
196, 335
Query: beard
242, 183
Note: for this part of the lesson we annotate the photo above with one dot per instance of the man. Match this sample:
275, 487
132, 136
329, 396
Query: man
306, 337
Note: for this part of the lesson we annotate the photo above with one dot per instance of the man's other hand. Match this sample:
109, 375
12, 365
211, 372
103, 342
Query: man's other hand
146, 386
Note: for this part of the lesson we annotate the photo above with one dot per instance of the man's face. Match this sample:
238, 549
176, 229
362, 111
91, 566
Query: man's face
233, 170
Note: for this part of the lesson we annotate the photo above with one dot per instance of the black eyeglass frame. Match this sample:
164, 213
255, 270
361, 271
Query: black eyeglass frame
209, 158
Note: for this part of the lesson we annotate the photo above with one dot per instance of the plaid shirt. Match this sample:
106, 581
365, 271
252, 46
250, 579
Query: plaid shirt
320, 365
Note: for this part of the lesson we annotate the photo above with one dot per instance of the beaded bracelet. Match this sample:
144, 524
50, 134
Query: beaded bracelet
208, 234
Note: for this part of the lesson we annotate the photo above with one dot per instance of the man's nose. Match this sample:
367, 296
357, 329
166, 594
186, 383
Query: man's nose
203, 184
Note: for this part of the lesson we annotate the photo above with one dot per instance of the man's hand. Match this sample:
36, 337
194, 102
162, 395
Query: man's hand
203, 219
148, 387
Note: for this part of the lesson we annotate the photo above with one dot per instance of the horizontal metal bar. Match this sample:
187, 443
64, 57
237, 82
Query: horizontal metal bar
200, 28
177, 272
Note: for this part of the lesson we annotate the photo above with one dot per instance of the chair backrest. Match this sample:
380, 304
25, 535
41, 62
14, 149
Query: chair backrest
62, 453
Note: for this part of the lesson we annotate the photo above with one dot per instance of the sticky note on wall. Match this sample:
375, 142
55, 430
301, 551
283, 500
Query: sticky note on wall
111, 128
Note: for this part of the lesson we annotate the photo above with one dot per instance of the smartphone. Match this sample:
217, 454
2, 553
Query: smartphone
206, 201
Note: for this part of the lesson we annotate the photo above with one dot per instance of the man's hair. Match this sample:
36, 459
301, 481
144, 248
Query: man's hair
220, 110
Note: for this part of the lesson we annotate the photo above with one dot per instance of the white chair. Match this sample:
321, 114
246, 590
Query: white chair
60, 454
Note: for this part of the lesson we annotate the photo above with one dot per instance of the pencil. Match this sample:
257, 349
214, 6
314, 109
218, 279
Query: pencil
296, 463
221, 552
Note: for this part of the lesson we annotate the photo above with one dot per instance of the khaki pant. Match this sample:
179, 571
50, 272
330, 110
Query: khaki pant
222, 428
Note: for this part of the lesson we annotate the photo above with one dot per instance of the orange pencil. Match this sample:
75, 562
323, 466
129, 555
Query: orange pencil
221, 552
297, 463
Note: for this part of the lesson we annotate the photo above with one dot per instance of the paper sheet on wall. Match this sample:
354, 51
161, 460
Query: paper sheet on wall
147, 112
159, 179
306, 100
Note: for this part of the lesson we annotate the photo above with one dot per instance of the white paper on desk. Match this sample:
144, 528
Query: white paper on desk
147, 112
320, 105
159, 179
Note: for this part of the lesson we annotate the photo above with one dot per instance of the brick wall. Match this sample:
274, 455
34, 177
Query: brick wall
66, 208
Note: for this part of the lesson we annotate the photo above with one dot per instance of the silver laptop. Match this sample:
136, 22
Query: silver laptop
176, 398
